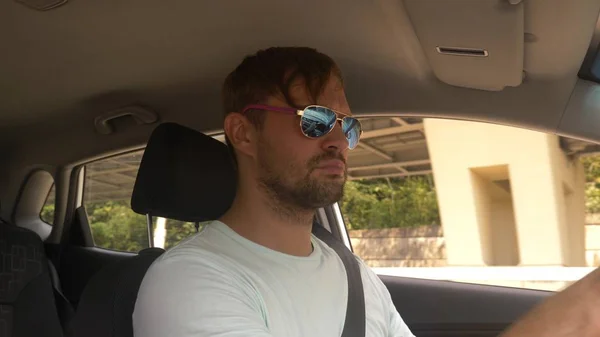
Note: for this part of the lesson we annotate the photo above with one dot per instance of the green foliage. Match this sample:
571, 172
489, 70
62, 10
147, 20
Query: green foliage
115, 226
591, 165
47, 213
177, 231
393, 202
592, 198
366, 204
377, 203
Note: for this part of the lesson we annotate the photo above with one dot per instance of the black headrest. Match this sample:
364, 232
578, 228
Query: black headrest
184, 175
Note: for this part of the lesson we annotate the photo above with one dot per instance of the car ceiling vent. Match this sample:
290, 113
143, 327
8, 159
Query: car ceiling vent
42, 5
456, 51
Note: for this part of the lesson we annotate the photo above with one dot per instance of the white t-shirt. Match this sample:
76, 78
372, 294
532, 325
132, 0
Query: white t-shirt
218, 283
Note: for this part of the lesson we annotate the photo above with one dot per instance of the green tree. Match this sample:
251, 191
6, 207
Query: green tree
47, 213
177, 231
591, 165
391, 202
115, 226
376, 203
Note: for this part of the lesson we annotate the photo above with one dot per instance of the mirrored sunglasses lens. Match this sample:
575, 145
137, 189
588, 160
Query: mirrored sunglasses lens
317, 121
352, 129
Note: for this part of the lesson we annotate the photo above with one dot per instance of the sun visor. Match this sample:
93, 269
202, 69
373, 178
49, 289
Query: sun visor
471, 43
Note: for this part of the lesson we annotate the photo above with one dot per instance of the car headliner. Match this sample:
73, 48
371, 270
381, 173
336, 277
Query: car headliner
61, 68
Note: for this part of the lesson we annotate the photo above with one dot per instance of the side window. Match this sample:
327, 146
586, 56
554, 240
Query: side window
473, 202
47, 212
107, 199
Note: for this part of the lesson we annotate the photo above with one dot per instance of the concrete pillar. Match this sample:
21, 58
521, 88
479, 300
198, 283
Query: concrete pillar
507, 196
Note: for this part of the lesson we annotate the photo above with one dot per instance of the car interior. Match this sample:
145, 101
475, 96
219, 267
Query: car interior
86, 80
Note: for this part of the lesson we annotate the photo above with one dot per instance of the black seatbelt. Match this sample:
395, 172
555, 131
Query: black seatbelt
354, 325
63, 305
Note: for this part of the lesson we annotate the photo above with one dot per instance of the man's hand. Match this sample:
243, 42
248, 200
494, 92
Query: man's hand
574, 311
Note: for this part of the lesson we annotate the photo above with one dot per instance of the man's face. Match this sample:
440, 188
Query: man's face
299, 171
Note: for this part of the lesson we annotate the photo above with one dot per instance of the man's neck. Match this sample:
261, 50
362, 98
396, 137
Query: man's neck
258, 219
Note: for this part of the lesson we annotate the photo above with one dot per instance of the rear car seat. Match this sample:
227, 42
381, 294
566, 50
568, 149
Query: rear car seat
27, 302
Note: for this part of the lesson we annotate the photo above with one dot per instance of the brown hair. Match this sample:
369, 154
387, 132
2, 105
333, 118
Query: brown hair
272, 71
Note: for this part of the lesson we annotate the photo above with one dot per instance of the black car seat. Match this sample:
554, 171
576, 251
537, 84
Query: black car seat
177, 165
107, 302
27, 302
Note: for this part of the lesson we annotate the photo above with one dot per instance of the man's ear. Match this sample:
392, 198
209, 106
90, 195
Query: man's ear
241, 133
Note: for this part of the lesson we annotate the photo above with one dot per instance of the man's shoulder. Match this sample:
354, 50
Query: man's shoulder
201, 252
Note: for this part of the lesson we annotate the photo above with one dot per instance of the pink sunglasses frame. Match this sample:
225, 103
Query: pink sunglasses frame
300, 113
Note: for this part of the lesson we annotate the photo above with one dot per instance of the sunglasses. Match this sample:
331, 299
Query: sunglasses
317, 121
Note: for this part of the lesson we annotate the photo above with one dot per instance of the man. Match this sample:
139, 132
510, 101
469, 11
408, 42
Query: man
258, 271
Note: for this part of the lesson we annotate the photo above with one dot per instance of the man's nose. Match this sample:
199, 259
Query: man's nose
335, 140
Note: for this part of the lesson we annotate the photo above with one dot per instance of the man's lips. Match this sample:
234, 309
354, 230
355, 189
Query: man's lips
332, 166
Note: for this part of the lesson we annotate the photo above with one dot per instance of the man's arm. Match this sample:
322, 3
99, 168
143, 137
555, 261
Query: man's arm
195, 298
396, 326
574, 311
